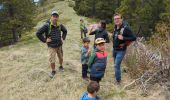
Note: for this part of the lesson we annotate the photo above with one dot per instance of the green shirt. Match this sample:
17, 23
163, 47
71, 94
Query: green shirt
82, 26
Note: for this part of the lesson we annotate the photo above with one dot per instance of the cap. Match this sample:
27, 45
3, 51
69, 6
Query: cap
99, 40
55, 13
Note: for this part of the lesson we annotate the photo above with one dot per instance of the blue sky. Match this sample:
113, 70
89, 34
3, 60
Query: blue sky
36, 0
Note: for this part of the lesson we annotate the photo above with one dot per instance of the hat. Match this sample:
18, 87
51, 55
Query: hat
99, 40
55, 13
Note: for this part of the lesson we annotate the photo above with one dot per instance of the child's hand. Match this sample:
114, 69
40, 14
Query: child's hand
89, 50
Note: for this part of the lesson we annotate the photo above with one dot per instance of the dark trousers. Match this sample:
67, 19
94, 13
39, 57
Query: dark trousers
83, 33
84, 70
95, 79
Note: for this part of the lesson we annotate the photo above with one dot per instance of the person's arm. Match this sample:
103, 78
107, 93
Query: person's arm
107, 37
91, 60
64, 30
40, 33
88, 52
129, 35
83, 53
93, 32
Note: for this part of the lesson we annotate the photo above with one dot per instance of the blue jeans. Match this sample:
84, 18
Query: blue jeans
118, 56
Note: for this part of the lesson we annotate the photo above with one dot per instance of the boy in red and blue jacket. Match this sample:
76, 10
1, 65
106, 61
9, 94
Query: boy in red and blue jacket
98, 61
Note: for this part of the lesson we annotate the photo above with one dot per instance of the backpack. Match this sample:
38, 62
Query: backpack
126, 25
85, 30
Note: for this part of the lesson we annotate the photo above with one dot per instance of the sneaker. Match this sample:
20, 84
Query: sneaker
52, 74
61, 68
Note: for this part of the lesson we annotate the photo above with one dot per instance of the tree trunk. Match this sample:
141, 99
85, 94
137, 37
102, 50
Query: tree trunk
94, 8
11, 15
15, 36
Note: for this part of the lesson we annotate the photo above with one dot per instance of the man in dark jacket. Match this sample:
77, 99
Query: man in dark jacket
122, 36
54, 39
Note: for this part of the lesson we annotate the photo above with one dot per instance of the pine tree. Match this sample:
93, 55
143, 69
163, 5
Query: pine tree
142, 13
16, 17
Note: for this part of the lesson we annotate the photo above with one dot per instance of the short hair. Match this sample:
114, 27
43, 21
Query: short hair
118, 14
93, 87
86, 39
103, 24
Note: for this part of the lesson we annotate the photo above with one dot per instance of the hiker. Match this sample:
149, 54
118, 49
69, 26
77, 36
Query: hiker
122, 37
83, 28
91, 93
54, 39
100, 32
98, 61
85, 53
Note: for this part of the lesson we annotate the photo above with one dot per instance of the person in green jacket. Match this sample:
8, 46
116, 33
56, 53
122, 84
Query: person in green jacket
83, 28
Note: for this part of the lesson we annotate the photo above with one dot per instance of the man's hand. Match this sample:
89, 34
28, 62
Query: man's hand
120, 37
48, 40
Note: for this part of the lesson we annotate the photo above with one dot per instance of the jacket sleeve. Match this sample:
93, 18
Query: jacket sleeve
64, 30
91, 60
83, 53
41, 31
93, 32
107, 37
129, 35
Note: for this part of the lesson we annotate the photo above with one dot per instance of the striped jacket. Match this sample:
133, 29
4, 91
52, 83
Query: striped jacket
56, 33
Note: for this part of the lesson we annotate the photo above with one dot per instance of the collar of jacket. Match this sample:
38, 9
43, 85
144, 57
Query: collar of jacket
120, 27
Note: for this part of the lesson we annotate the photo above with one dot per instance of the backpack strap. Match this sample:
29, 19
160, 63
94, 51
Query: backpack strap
50, 27
122, 30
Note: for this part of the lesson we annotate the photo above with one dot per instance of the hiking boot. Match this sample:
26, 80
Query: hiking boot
52, 74
61, 68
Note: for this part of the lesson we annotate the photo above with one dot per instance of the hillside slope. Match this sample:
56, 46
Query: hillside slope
24, 68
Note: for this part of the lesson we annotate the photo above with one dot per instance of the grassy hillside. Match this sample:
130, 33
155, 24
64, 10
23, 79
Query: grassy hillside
24, 68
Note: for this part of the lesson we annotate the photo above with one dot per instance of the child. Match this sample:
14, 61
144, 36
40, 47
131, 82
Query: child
98, 61
91, 93
85, 52
83, 28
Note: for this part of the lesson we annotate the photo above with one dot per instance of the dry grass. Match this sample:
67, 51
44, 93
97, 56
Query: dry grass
24, 69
